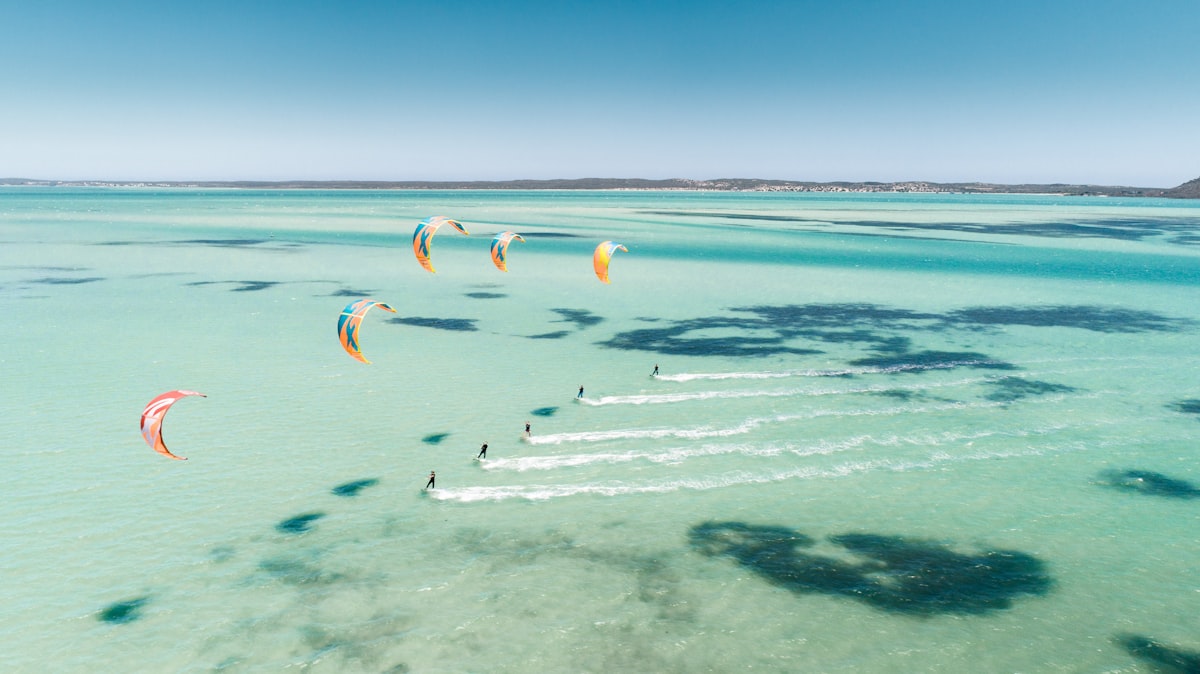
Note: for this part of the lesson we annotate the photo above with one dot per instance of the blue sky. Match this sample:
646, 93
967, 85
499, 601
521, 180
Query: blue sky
1095, 91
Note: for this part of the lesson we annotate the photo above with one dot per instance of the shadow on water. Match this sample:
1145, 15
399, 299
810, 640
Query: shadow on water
550, 335
260, 244
434, 438
1011, 389
239, 286
1189, 406
551, 235
898, 394
299, 524
921, 361
298, 569
351, 292
64, 280
774, 330
122, 612
1164, 658
1176, 230
484, 295
770, 330
544, 411
350, 489
1082, 316
1149, 483
891, 573
453, 324
582, 318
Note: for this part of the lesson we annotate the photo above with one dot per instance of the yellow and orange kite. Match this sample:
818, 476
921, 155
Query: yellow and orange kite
603, 256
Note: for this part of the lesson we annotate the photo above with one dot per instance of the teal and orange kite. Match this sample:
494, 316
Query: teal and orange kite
423, 235
500, 248
348, 324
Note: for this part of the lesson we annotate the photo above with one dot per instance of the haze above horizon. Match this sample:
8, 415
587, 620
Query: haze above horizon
1101, 92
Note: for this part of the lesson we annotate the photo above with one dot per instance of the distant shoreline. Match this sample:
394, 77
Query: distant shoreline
1189, 190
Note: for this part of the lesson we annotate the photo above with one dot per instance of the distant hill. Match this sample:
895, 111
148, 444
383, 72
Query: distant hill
1188, 190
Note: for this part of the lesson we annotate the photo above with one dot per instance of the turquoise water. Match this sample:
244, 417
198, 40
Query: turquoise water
921, 433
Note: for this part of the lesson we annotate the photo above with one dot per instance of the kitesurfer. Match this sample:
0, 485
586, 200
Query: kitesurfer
482, 452
580, 392
655, 373
527, 433
429, 484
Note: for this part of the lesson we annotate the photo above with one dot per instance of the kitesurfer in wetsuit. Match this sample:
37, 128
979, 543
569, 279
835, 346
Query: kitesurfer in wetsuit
429, 484
482, 451
580, 392
655, 373
527, 433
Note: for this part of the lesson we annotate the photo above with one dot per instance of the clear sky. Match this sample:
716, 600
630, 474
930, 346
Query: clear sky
1080, 91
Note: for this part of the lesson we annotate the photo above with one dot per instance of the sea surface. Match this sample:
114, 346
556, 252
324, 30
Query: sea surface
889, 433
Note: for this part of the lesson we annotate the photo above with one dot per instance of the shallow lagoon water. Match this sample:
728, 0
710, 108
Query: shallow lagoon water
890, 433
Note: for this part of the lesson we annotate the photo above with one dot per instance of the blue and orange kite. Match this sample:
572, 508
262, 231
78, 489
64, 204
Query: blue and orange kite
423, 235
500, 248
349, 321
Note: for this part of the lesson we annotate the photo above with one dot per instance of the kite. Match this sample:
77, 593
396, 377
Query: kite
349, 321
500, 248
423, 235
603, 256
152, 420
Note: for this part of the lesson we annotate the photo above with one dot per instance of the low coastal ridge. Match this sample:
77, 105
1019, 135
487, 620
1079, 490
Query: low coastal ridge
1188, 190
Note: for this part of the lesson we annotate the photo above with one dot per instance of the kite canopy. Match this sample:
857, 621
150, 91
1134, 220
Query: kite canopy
349, 321
603, 256
500, 248
152, 420
423, 235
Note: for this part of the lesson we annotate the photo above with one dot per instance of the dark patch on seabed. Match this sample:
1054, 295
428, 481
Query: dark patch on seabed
485, 296
1083, 316
923, 361
240, 286
1175, 230
64, 280
434, 438
452, 324
297, 569
222, 553
351, 292
122, 612
1189, 406
41, 267
899, 394
1149, 483
1163, 658
550, 235
582, 318
225, 243
550, 335
1011, 389
212, 243
352, 488
299, 524
544, 411
771, 330
891, 573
